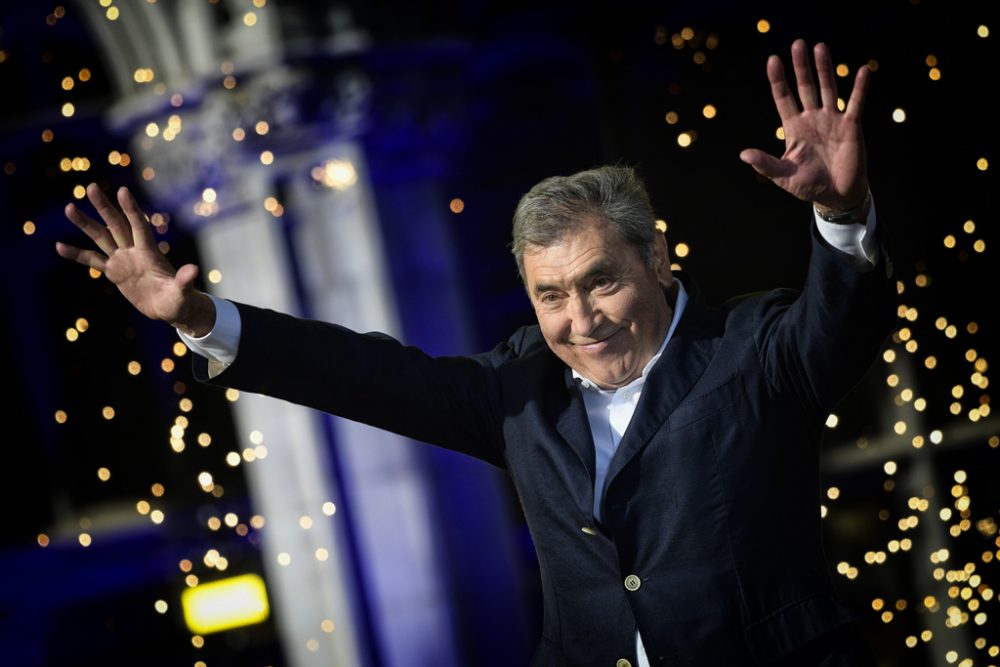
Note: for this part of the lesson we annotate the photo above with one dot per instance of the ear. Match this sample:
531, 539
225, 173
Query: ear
661, 261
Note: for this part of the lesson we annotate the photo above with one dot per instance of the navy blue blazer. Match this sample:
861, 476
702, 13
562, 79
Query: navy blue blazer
711, 541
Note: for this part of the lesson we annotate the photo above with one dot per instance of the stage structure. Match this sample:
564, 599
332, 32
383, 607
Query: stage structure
255, 146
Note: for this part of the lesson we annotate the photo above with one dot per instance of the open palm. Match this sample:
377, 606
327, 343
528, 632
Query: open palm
128, 255
824, 158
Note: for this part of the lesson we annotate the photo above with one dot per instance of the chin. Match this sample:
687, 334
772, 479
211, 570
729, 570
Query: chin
612, 380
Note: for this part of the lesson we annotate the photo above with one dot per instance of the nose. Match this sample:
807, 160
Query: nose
585, 316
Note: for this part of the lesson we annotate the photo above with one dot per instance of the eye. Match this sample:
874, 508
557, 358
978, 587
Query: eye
602, 281
552, 301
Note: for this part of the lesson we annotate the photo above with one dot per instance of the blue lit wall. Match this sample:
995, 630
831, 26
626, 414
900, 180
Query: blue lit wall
478, 101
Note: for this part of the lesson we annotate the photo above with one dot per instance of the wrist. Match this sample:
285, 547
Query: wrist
197, 319
845, 216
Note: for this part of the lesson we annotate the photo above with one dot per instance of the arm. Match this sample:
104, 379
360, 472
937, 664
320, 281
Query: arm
130, 258
369, 378
816, 346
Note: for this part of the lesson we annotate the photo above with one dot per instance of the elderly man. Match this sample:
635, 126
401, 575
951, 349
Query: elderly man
665, 453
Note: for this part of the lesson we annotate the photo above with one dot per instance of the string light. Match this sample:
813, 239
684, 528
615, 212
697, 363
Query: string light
963, 396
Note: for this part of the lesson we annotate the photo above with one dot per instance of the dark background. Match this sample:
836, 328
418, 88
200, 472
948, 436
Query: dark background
485, 99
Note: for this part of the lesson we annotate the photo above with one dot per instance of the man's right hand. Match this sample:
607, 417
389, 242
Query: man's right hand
130, 258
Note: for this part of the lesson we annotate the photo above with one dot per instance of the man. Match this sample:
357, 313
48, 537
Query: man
665, 454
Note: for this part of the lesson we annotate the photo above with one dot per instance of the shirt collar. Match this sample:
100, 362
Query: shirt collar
682, 299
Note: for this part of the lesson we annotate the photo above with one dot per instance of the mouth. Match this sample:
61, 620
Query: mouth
598, 345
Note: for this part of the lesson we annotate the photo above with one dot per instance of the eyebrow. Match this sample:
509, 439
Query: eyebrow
603, 266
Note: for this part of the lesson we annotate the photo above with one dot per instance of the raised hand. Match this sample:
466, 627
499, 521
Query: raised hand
130, 258
824, 160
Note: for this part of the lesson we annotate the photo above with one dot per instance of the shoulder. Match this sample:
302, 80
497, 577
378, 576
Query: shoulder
750, 311
525, 344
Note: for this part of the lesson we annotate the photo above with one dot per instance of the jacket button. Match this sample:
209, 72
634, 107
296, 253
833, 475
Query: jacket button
589, 530
622, 662
632, 582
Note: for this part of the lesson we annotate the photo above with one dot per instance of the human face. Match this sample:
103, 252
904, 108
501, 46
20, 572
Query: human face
601, 309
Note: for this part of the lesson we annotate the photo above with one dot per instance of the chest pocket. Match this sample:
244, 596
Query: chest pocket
727, 400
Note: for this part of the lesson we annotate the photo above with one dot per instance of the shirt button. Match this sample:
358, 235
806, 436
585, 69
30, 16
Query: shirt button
632, 582
622, 662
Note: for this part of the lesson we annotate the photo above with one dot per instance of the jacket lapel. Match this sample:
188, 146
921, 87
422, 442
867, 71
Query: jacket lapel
573, 426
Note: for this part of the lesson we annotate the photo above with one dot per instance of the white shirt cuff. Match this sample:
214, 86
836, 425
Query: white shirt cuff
223, 342
856, 240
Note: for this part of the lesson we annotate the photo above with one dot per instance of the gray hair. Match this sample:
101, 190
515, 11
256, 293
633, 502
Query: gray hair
562, 204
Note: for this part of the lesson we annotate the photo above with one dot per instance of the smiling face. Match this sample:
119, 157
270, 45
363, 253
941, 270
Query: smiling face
601, 309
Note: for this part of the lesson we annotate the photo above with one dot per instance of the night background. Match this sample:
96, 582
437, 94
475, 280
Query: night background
342, 159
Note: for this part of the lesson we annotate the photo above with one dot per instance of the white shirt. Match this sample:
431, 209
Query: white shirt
608, 411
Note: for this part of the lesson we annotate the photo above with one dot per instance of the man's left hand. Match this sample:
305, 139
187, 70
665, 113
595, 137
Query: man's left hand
824, 160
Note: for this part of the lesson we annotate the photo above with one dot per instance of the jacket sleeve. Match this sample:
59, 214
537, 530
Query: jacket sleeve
369, 378
816, 345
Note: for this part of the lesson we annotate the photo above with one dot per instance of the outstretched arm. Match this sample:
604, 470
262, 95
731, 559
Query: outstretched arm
129, 257
824, 159
815, 345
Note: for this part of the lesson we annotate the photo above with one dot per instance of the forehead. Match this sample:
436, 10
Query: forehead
595, 245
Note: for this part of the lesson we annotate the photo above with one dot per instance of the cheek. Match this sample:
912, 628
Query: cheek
623, 307
553, 327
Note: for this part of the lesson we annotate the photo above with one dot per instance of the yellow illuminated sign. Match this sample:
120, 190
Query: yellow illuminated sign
225, 604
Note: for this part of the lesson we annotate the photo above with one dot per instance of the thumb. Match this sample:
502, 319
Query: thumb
749, 155
186, 275
764, 164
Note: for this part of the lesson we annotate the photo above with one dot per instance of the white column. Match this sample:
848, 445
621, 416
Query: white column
343, 268
292, 481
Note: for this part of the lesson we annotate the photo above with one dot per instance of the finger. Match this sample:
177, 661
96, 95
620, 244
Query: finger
91, 258
111, 215
803, 75
766, 164
856, 104
827, 79
141, 231
780, 91
97, 232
